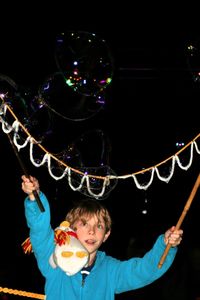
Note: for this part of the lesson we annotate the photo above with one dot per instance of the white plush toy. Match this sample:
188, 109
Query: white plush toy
70, 255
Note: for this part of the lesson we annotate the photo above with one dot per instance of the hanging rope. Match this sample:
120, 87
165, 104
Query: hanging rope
86, 179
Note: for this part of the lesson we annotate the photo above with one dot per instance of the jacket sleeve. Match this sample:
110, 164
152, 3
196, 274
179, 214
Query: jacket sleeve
41, 232
140, 271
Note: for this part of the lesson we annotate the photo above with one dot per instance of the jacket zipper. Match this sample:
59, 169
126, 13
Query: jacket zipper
83, 281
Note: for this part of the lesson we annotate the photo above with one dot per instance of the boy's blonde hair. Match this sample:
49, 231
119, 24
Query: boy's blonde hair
85, 208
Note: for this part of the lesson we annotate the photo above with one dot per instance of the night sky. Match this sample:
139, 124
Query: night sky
151, 104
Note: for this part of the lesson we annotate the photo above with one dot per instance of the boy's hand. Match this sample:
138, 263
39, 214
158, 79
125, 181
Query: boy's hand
30, 184
173, 237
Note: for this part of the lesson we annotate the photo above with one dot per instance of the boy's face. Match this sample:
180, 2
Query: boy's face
91, 232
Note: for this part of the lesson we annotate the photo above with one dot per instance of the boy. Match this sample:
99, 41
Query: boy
104, 275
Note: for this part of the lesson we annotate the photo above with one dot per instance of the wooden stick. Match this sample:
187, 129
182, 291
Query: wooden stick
180, 221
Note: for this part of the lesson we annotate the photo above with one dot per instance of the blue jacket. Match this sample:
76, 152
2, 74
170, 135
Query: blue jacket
108, 277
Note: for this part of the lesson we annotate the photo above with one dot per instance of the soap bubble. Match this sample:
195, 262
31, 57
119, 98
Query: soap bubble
89, 155
193, 59
85, 60
65, 102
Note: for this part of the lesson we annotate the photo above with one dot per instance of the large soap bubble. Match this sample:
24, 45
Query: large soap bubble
26, 107
10, 95
89, 154
85, 61
55, 94
193, 59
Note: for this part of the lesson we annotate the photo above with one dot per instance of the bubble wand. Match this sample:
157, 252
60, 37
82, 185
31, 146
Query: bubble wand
180, 221
26, 174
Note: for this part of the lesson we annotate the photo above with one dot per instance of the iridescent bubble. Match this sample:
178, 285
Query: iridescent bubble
10, 95
67, 103
193, 59
38, 120
92, 148
90, 154
26, 107
97, 187
7, 85
85, 60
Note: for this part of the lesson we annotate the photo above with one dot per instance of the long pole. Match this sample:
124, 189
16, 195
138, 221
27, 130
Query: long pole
180, 221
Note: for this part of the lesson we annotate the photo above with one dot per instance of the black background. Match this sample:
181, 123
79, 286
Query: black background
152, 103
